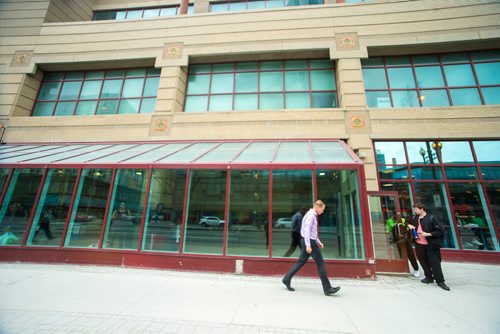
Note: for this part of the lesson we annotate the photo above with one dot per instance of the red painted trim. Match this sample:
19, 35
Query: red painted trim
144, 210
70, 208
6, 185
35, 206
470, 256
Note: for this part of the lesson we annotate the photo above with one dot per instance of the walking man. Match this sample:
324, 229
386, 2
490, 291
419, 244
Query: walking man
311, 246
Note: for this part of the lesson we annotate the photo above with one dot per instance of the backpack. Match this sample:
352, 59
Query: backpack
401, 233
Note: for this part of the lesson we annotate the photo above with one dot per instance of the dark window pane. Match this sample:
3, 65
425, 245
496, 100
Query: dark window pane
461, 173
393, 172
473, 224
486, 55
426, 173
427, 59
454, 57
398, 61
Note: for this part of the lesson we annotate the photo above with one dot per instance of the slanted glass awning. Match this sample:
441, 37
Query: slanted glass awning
185, 152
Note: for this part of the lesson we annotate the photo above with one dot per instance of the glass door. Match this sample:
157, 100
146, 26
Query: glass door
384, 207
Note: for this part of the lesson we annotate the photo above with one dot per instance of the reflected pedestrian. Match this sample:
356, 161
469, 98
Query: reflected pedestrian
311, 245
295, 230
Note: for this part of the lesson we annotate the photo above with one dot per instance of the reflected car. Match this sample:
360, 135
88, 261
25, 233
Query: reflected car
206, 221
283, 223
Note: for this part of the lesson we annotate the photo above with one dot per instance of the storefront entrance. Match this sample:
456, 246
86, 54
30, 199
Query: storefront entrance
383, 207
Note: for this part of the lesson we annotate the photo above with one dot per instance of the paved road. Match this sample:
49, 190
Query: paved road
37, 298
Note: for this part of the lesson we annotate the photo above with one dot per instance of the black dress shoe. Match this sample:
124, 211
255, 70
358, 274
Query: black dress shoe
332, 291
443, 286
427, 281
287, 284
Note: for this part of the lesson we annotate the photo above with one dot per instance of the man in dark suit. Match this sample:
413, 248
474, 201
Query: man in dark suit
427, 245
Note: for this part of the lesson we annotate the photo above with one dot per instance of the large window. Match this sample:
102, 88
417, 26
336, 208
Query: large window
125, 212
456, 180
128, 91
204, 225
454, 79
50, 217
18, 204
138, 13
225, 6
162, 231
261, 85
248, 213
89, 208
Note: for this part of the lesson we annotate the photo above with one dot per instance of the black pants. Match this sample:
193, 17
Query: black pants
45, 226
409, 252
430, 259
318, 259
295, 242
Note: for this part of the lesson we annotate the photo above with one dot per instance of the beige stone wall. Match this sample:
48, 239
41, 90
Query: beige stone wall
69, 10
344, 33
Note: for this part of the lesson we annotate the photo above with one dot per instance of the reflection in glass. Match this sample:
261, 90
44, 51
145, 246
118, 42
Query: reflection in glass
405, 200
405, 98
52, 210
18, 204
426, 173
433, 196
393, 172
390, 153
493, 191
487, 151
340, 226
125, 212
4, 173
162, 231
461, 173
473, 221
457, 152
422, 153
248, 213
292, 189
204, 222
88, 209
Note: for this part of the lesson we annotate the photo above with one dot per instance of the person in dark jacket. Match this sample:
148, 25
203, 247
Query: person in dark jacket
428, 244
295, 231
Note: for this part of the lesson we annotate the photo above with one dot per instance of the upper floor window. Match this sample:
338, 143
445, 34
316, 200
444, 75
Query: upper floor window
225, 6
452, 79
129, 91
261, 85
138, 13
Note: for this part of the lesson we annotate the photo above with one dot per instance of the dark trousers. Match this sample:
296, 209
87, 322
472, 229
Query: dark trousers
430, 259
318, 259
45, 227
409, 252
295, 242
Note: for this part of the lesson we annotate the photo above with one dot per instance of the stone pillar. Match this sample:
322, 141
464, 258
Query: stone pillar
357, 118
201, 6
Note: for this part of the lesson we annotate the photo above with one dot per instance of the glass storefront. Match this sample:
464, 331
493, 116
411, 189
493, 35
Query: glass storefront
215, 210
456, 180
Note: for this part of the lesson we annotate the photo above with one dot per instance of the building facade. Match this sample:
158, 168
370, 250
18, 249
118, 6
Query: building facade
186, 134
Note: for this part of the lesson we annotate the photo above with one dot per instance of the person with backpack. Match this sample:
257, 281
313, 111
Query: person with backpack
403, 237
427, 245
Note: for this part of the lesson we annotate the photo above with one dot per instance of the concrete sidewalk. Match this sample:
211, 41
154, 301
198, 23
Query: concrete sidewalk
37, 298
